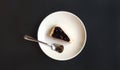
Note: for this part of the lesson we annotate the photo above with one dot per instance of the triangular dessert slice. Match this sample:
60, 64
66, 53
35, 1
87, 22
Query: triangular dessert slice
58, 33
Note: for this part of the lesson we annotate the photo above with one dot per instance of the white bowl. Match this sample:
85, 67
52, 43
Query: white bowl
72, 26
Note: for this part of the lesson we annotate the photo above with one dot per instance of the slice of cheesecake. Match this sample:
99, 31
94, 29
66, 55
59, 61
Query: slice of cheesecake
58, 33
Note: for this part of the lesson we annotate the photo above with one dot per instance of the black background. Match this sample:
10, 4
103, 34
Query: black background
19, 17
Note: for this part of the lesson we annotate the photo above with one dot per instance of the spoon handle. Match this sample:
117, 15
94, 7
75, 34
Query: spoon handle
29, 38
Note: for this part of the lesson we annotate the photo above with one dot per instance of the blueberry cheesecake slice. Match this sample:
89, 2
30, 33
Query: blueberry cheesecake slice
58, 33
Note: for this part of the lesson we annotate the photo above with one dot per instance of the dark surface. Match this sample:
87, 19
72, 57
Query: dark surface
19, 17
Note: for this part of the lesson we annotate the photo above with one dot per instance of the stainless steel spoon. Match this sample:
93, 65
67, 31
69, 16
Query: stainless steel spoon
56, 47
